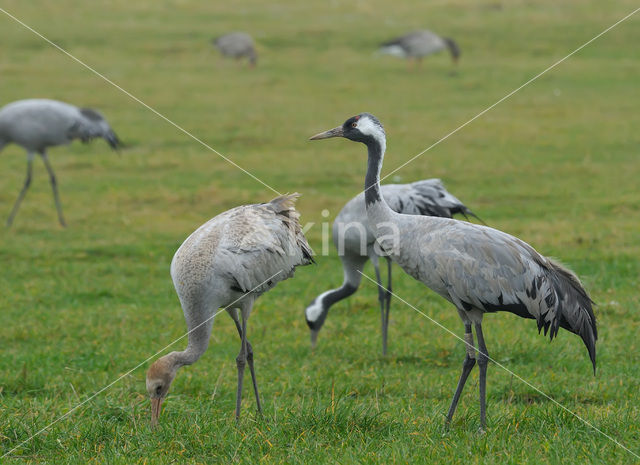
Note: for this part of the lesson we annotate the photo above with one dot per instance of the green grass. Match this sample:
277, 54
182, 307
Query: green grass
556, 164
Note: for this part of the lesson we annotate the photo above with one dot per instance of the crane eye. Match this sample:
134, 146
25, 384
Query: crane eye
354, 125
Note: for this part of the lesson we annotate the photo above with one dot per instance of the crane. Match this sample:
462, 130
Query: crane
477, 268
228, 262
237, 45
356, 244
37, 124
419, 44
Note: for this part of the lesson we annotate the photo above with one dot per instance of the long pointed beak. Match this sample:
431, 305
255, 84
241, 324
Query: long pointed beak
335, 132
314, 338
156, 403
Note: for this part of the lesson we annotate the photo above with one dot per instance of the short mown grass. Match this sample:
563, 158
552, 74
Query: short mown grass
556, 164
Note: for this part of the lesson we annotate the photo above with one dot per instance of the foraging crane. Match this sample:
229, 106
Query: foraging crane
229, 262
37, 124
237, 45
356, 244
419, 44
478, 269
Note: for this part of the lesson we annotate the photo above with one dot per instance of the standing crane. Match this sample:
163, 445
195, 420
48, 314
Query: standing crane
37, 124
229, 262
237, 45
478, 269
418, 44
356, 244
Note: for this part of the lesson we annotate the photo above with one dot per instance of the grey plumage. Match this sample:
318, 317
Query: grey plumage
237, 45
419, 44
477, 268
354, 241
483, 269
228, 262
37, 124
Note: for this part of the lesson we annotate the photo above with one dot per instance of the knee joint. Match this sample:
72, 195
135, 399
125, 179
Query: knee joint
469, 362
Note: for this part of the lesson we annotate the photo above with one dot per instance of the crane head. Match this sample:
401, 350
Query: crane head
315, 315
364, 128
159, 378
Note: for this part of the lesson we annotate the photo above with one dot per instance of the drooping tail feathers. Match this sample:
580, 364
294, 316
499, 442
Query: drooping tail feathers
454, 50
464, 211
284, 205
437, 201
112, 139
574, 308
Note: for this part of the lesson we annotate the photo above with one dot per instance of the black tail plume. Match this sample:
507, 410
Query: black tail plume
454, 50
575, 308
114, 142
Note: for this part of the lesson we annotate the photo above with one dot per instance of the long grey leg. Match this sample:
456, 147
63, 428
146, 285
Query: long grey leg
250, 361
381, 298
483, 361
241, 361
467, 365
253, 377
23, 192
54, 187
388, 297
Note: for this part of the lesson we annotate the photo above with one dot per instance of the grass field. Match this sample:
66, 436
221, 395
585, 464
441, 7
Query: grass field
556, 164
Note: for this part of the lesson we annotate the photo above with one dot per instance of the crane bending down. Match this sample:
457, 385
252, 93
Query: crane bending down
237, 45
477, 268
419, 44
37, 124
228, 262
356, 244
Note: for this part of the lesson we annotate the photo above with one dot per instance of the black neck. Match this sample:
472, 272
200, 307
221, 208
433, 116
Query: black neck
328, 300
338, 294
372, 180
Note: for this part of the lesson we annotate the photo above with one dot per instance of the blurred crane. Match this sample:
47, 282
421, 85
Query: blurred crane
419, 44
228, 262
37, 124
478, 269
237, 45
356, 244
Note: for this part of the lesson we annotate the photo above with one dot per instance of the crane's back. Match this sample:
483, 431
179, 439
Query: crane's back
481, 269
247, 249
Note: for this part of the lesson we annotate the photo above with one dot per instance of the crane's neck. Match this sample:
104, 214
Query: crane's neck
198, 343
377, 209
317, 312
